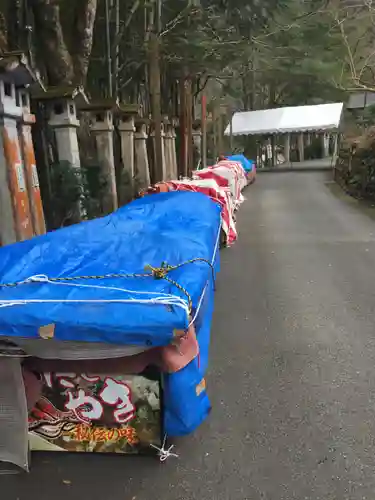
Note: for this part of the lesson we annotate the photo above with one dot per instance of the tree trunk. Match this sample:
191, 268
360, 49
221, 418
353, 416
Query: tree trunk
64, 66
55, 54
154, 53
189, 127
183, 164
15, 29
85, 15
3, 34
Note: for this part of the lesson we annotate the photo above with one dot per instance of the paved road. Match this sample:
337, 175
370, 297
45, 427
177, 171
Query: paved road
318, 164
292, 373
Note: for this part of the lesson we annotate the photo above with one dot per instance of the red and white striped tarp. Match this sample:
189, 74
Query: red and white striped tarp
230, 171
223, 183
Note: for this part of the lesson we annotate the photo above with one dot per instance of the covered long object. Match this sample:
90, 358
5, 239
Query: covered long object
137, 277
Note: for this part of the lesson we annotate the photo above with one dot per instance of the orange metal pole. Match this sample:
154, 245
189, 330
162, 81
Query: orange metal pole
17, 182
32, 180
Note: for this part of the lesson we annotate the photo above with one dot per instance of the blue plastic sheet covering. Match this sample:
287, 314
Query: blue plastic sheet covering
169, 227
186, 400
166, 227
247, 164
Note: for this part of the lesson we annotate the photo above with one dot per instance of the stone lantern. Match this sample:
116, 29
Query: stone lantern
126, 115
101, 117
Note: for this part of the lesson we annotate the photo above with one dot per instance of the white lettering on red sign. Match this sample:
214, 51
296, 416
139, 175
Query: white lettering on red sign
117, 394
84, 406
88, 407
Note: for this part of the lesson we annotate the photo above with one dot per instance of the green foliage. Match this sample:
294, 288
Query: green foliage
65, 185
94, 186
75, 191
366, 118
297, 57
283, 51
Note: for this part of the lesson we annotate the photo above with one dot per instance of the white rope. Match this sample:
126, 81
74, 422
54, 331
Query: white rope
163, 452
194, 318
43, 278
161, 298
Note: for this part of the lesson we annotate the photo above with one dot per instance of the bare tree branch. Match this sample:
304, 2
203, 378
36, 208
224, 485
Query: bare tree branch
125, 25
356, 24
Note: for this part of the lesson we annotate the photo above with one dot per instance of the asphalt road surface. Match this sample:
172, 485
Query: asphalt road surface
292, 376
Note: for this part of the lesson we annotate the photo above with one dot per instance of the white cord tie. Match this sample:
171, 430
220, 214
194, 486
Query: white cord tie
164, 453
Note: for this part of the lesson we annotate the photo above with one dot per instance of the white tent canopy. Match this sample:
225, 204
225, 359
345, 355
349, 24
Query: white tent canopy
319, 117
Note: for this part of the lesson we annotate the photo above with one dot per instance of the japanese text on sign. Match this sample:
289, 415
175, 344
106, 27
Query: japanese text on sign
104, 435
88, 407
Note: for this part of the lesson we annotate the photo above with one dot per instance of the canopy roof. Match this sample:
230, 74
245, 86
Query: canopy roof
288, 119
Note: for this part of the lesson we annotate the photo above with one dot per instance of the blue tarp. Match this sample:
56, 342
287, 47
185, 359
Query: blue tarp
247, 164
186, 400
167, 227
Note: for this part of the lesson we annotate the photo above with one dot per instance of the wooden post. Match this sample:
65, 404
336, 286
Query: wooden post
269, 153
204, 131
335, 145
287, 148
167, 149
156, 104
183, 139
214, 130
220, 133
197, 142
325, 145
273, 144
117, 49
108, 50
174, 152
231, 133
301, 147
189, 126
155, 93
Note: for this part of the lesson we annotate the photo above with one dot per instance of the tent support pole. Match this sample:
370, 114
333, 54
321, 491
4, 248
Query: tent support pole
301, 147
287, 148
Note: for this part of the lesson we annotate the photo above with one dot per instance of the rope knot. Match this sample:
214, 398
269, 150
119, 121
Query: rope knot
159, 273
